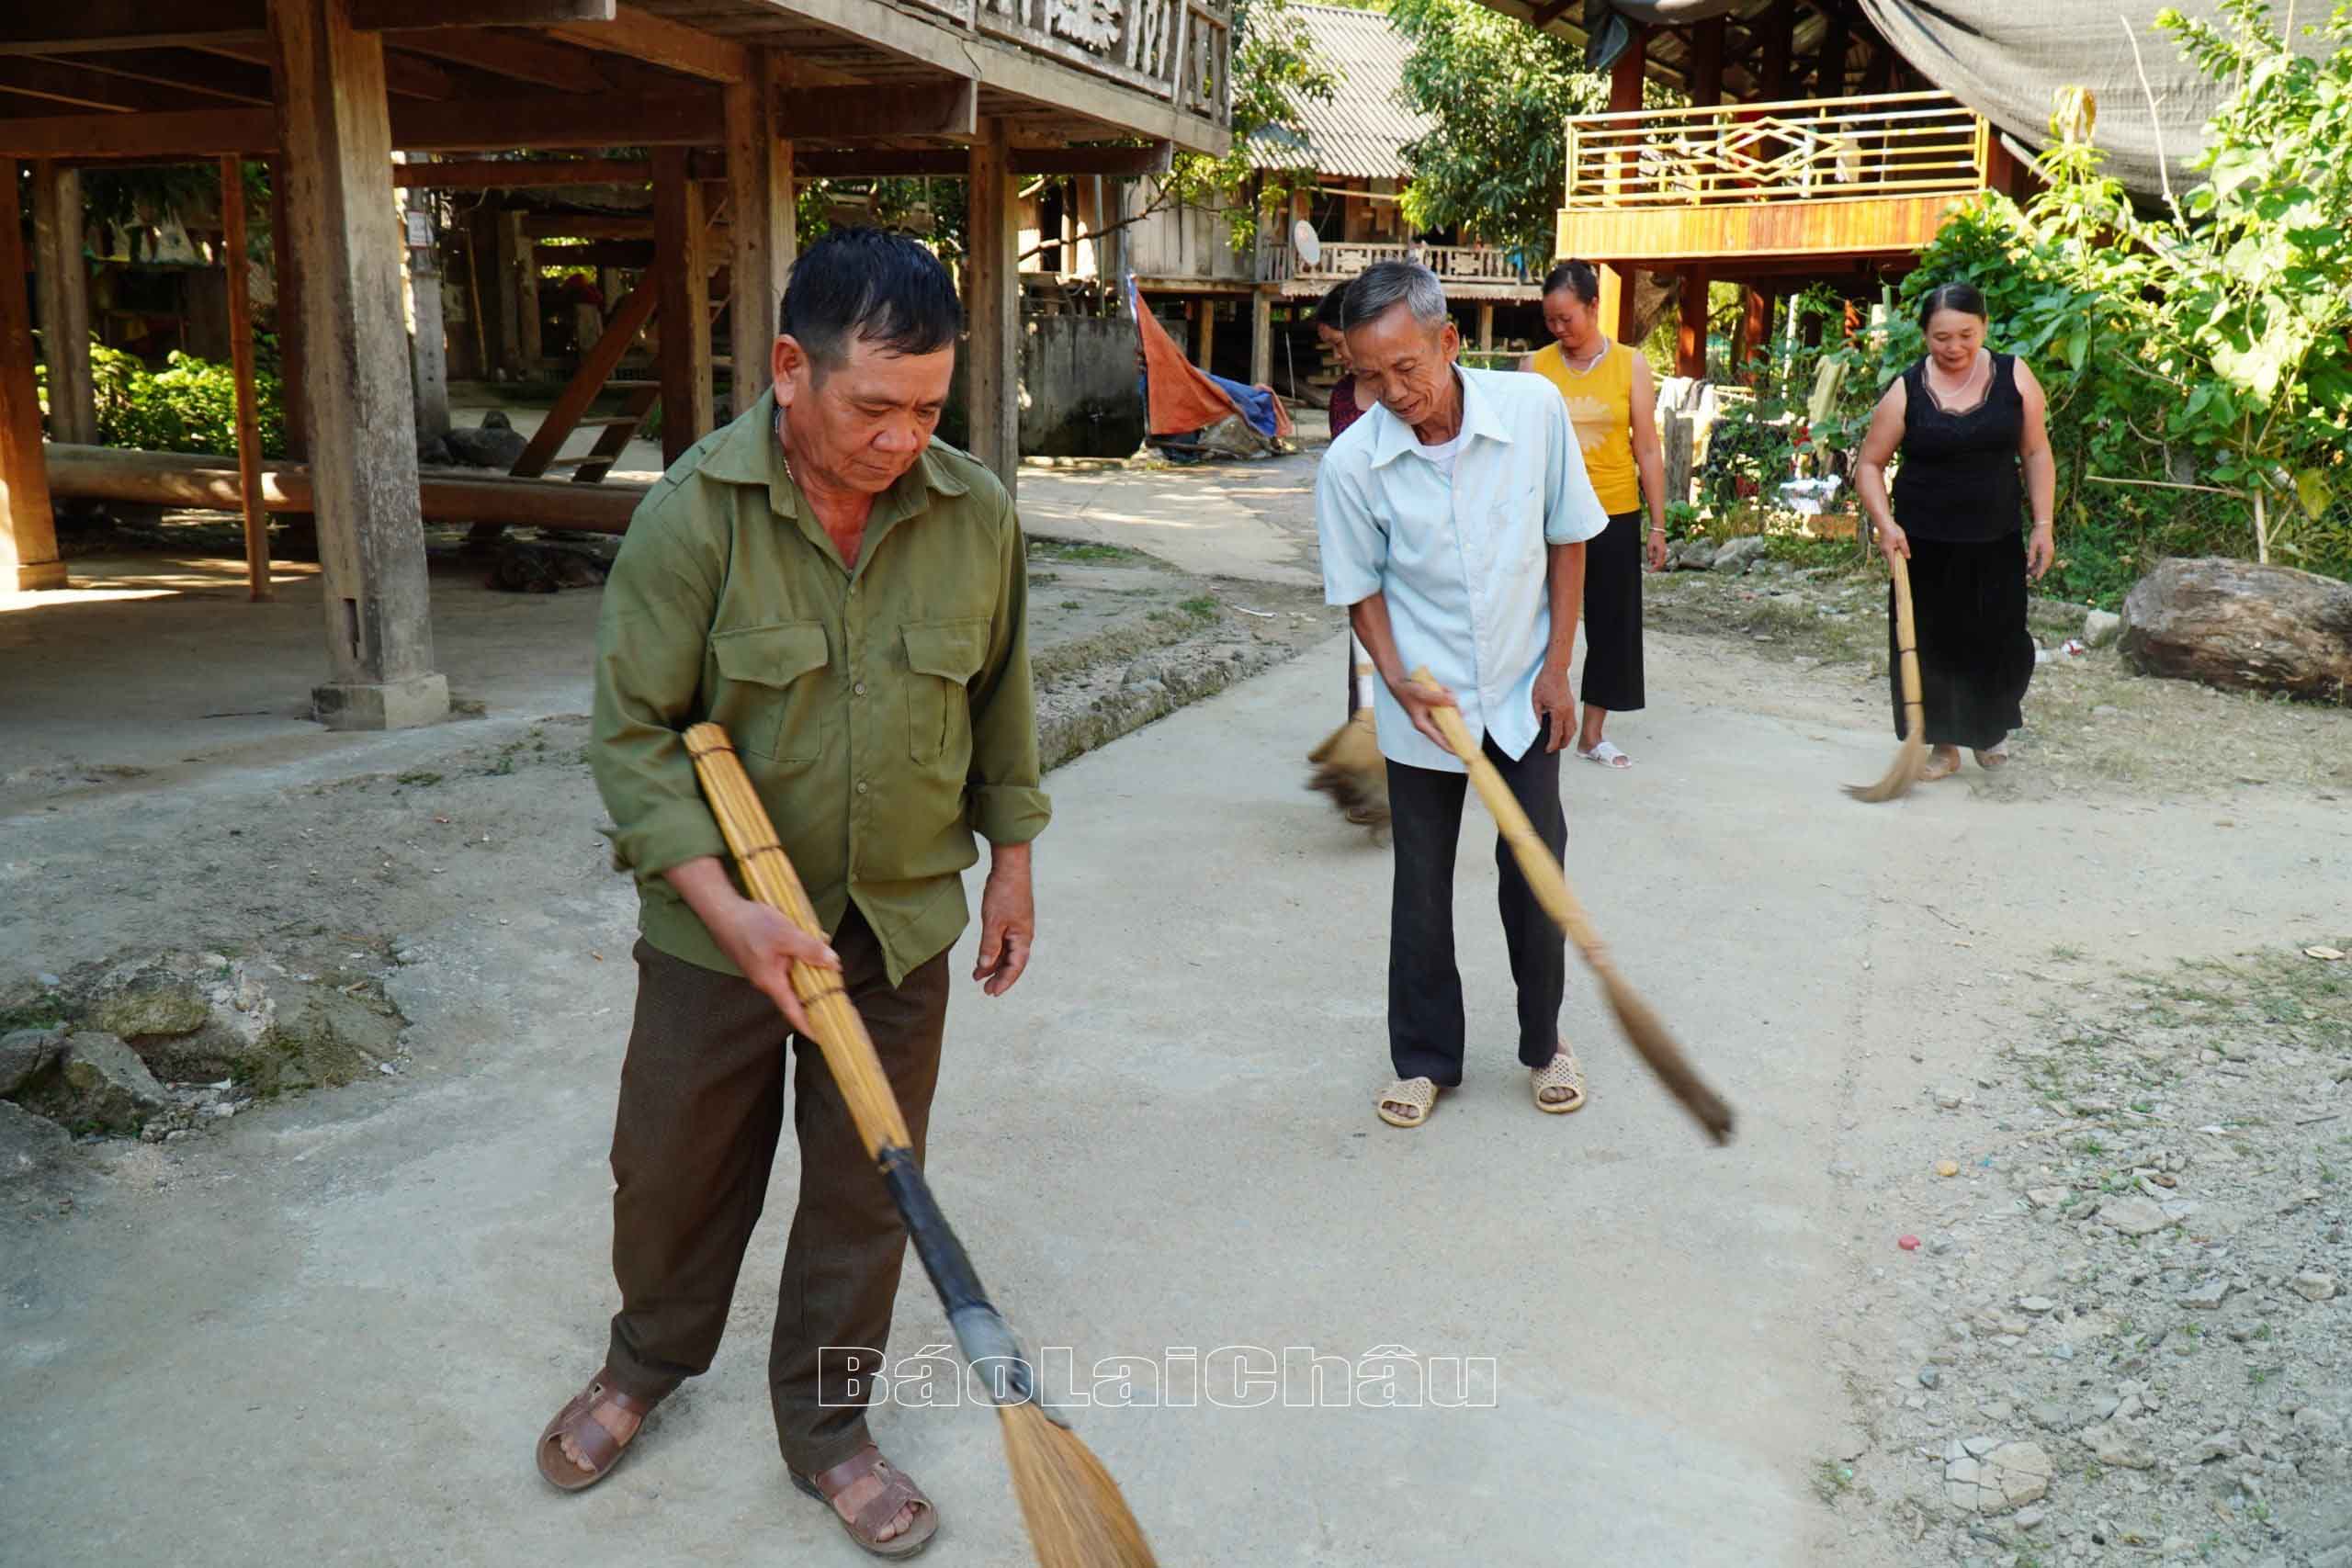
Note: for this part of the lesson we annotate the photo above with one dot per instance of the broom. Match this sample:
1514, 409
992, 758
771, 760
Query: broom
1074, 1512
1905, 770
1639, 1022
1348, 764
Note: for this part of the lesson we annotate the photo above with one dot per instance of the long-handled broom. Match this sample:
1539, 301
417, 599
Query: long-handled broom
1075, 1517
1905, 771
1348, 764
1639, 1022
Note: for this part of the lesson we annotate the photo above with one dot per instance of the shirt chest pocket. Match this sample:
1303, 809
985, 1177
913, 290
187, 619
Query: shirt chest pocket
768, 698
941, 658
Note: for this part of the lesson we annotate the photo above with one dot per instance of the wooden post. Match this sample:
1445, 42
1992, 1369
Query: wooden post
1617, 303
684, 307
290, 315
27, 527
488, 254
530, 334
1690, 347
1679, 445
241, 361
428, 353
1778, 26
1829, 66
992, 306
65, 300
760, 218
1485, 326
337, 137
1755, 337
1707, 63
1262, 338
1205, 344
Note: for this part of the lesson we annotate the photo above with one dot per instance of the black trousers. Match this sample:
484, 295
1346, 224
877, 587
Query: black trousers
1425, 1022
1612, 615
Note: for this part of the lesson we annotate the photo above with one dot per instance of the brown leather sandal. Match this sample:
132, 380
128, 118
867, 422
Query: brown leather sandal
897, 1490
577, 1420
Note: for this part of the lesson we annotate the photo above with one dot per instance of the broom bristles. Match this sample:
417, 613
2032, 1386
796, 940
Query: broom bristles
1076, 1516
1641, 1024
1350, 769
1901, 775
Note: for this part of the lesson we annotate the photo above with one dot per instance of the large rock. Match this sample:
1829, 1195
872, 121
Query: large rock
2230, 622
495, 444
1739, 554
30, 1145
24, 1053
2004, 1479
97, 1083
316, 1036
153, 1006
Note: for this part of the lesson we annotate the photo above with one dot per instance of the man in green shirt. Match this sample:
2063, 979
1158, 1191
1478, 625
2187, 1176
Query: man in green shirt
848, 598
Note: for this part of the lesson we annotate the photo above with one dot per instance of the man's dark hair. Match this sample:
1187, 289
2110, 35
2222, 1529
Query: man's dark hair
864, 285
1332, 310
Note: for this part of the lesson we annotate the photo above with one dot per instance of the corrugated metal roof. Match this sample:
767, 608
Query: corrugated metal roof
1358, 132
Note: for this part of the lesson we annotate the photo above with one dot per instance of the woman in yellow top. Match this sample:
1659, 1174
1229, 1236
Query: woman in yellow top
1612, 401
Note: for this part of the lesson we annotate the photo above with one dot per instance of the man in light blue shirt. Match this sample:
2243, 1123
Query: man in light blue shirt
1452, 518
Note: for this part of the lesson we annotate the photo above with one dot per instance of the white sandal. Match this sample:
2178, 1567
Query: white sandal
1560, 1072
1419, 1094
1607, 755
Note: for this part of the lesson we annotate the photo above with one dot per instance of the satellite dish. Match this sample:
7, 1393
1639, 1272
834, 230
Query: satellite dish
1607, 34
1306, 241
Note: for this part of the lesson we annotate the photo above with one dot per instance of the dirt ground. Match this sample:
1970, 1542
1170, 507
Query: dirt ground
324, 1326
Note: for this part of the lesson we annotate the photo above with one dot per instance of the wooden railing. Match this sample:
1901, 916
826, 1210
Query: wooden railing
1822, 150
1179, 51
1340, 260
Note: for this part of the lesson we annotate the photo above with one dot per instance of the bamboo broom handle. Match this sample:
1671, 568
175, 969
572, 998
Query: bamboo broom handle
1906, 641
1534, 856
841, 1034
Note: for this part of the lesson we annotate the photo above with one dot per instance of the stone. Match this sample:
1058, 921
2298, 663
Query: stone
2314, 1287
2311, 1421
2045, 1197
2049, 1415
1929, 1377
99, 1083
542, 568
1740, 554
1979, 1447
2029, 1518
2101, 627
30, 1145
2207, 1297
2110, 1445
153, 1008
1947, 1099
495, 444
2235, 624
2219, 1445
2037, 1305
2134, 1216
24, 1053
2006, 1478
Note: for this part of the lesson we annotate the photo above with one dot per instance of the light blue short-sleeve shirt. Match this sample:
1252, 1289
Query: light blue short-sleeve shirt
1461, 559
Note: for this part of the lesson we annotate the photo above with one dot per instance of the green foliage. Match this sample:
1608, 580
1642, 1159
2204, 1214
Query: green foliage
1276, 73
2212, 343
189, 406
1500, 92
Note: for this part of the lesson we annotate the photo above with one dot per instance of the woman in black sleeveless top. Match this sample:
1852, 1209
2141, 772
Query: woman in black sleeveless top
1967, 421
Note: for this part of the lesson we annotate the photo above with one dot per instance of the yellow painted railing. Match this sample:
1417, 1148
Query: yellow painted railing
1820, 149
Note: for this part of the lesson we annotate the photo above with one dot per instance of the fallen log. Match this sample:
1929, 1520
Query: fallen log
448, 495
2232, 622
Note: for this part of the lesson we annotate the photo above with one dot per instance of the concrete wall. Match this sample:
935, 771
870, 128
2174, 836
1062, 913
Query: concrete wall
1078, 388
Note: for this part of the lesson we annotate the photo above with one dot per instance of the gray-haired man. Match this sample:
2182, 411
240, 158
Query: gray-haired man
1452, 519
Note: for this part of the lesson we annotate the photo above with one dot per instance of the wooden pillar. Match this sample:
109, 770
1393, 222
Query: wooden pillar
1754, 339
287, 265
428, 351
1779, 29
240, 363
530, 334
1707, 63
64, 279
992, 306
1485, 326
759, 210
27, 527
1617, 303
337, 137
1262, 338
1690, 347
1829, 66
488, 257
684, 307
1878, 76
505, 243
1205, 332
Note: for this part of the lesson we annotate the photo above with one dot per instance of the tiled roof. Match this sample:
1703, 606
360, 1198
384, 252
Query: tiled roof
1358, 132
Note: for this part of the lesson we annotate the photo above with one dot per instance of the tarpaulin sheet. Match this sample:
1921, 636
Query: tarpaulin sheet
1181, 398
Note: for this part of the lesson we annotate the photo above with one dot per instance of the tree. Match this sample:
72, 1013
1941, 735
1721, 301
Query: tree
1501, 94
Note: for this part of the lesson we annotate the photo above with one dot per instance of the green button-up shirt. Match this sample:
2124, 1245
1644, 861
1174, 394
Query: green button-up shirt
882, 708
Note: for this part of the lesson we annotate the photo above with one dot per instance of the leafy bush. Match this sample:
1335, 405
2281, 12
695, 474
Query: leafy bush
189, 406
